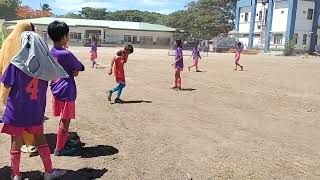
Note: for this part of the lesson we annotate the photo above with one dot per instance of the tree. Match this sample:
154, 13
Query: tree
205, 18
72, 15
45, 7
136, 16
3, 35
93, 13
8, 9
26, 12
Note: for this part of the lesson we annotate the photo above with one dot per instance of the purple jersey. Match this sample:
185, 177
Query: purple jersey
65, 89
93, 46
179, 58
196, 54
27, 99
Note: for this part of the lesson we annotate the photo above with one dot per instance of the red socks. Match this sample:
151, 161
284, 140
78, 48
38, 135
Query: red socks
44, 152
15, 162
179, 82
62, 137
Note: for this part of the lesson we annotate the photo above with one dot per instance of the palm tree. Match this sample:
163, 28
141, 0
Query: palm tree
45, 7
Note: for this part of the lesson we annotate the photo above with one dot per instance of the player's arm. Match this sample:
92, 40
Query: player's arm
8, 78
76, 65
111, 66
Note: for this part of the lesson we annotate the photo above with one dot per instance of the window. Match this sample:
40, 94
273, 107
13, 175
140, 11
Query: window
44, 36
75, 37
304, 40
146, 40
259, 27
134, 39
310, 14
113, 39
163, 41
246, 15
295, 38
260, 15
278, 38
127, 38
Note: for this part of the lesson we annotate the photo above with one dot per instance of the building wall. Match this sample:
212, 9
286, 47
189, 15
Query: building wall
258, 22
244, 26
155, 35
106, 34
302, 23
280, 16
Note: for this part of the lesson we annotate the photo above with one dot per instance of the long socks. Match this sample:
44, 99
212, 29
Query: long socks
62, 137
44, 153
15, 162
119, 89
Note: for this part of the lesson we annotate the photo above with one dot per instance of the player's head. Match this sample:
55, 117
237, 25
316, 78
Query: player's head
239, 44
178, 43
59, 32
128, 48
94, 39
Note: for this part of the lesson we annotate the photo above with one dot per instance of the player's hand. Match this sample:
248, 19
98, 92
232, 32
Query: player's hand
75, 73
110, 71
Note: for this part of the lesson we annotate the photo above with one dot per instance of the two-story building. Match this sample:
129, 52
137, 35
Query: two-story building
269, 24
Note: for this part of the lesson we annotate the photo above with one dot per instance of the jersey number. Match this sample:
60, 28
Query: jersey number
33, 89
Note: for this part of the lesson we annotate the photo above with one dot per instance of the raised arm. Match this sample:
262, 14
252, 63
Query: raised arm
111, 66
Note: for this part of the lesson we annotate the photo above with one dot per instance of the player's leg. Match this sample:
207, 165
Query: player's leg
15, 154
121, 86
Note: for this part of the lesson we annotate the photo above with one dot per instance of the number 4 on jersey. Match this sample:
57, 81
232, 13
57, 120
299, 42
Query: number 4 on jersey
33, 89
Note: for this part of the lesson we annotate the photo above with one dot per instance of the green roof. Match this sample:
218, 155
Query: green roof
101, 23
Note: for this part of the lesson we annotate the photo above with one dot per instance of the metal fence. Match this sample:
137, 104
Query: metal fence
188, 47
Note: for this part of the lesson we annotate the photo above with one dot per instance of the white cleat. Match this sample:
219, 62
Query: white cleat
56, 173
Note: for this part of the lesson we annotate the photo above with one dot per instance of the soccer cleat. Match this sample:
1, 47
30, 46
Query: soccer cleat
118, 100
109, 95
66, 151
16, 178
56, 173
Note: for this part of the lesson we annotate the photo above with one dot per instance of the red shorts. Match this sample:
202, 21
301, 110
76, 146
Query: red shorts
64, 109
237, 56
18, 131
120, 79
195, 61
93, 55
178, 69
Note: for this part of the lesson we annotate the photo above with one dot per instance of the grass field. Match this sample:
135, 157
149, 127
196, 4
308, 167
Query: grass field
262, 123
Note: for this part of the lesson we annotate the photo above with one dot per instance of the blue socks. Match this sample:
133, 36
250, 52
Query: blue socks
119, 89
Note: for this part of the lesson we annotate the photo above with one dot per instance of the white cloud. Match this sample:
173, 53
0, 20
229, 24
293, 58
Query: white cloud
166, 11
77, 5
154, 2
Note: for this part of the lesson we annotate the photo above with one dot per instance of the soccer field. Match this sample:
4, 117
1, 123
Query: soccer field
262, 123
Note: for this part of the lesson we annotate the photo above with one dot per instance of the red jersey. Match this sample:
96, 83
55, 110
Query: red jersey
119, 61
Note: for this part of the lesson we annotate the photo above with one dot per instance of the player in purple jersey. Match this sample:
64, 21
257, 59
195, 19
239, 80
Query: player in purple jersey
178, 64
64, 90
94, 52
27, 100
195, 56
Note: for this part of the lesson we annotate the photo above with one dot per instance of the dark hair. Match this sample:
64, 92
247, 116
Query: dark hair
94, 38
57, 30
129, 48
239, 44
179, 43
32, 27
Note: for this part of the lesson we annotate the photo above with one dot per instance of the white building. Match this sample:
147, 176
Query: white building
271, 23
108, 32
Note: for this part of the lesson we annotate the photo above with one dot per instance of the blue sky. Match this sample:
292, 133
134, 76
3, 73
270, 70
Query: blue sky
64, 6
